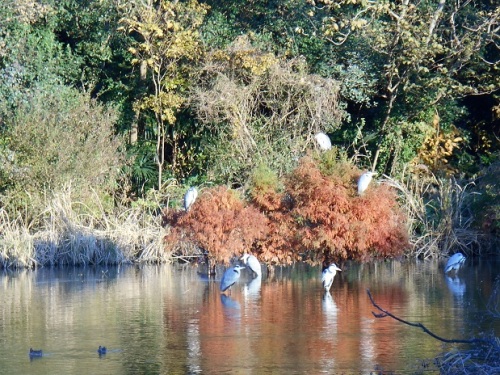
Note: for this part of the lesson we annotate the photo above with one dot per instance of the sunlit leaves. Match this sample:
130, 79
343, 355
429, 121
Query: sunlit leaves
261, 108
166, 48
428, 52
439, 146
167, 35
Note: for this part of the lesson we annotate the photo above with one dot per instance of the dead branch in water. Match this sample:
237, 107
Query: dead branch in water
386, 313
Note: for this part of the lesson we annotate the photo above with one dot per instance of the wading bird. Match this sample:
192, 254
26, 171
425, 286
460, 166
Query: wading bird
35, 353
253, 263
102, 350
190, 197
231, 275
323, 141
328, 275
364, 181
455, 262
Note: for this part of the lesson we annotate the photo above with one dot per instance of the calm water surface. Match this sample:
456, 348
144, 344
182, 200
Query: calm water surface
170, 320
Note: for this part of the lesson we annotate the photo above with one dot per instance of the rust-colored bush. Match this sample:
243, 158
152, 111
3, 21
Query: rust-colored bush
263, 186
220, 223
317, 218
280, 246
337, 224
321, 218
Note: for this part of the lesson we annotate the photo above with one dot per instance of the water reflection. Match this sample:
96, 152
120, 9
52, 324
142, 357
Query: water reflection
229, 304
456, 286
251, 291
329, 331
194, 346
168, 319
330, 310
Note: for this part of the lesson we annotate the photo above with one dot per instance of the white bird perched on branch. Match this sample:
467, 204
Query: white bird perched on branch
364, 181
328, 275
323, 141
190, 197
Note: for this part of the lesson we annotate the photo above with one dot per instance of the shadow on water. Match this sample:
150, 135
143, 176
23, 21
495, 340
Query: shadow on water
170, 319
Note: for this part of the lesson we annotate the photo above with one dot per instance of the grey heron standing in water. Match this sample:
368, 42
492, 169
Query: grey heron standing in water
364, 181
190, 197
253, 263
328, 275
455, 262
231, 276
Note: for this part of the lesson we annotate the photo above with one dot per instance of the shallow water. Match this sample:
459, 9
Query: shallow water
170, 320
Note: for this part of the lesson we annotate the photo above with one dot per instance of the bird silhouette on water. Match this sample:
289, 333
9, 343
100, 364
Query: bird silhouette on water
35, 353
102, 350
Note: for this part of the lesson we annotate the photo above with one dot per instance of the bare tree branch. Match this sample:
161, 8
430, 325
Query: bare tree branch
386, 313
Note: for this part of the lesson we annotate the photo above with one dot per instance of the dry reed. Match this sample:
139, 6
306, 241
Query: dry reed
70, 233
439, 215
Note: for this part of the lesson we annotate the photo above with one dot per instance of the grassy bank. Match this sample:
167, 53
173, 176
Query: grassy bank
70, 233
440, 217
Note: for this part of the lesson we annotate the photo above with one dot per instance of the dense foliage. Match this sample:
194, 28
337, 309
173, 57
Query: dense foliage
318, 216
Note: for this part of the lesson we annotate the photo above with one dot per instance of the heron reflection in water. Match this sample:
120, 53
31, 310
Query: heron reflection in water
456, 286
252, 289
328, 305
229, 302
231, 308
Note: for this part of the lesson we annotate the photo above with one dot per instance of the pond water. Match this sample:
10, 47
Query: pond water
170, 320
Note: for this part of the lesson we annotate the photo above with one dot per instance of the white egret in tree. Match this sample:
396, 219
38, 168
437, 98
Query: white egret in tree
323, 141
190, 197
364, 181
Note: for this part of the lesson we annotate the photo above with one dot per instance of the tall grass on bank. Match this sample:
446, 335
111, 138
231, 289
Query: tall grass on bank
16, 243
71, 233
439, 215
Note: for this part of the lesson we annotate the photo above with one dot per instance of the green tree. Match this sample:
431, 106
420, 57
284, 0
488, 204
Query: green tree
166, 48
53, 137
429, 53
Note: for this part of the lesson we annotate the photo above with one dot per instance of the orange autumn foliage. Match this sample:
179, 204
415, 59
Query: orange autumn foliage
317, 218
220, 223
338, 224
